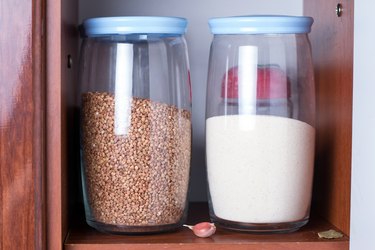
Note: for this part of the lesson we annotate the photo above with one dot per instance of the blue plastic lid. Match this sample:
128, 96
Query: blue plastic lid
134, 25
261, 25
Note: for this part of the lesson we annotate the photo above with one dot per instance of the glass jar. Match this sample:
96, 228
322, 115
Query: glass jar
260, 117
135, 123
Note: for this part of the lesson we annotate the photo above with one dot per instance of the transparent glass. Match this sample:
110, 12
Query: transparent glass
260, 135
135, 132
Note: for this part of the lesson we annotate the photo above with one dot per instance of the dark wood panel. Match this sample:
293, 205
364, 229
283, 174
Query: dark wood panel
21, 125
55, 221
82, 237
62, 40
332, 46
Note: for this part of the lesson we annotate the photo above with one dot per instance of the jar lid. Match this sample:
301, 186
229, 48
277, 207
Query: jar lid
261, 25
134, 25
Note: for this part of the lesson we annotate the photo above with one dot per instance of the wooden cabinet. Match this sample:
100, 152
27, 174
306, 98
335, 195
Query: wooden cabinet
332, 45
22, 129
39, 140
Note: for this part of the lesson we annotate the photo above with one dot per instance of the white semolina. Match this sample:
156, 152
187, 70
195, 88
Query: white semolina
260, 168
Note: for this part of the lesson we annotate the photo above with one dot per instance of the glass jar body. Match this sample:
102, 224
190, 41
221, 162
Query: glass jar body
135, 131
260, 135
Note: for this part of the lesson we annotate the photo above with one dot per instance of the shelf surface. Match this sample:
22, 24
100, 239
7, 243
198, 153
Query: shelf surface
83, 237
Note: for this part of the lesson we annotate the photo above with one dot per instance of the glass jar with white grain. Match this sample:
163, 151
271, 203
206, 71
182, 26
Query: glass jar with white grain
260, 123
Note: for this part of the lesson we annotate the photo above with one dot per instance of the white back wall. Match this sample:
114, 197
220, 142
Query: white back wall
363, 155
198, 38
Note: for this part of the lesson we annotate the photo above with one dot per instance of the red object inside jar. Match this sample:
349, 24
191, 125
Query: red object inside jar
272, 83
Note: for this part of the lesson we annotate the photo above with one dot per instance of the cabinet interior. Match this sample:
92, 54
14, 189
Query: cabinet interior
331, 195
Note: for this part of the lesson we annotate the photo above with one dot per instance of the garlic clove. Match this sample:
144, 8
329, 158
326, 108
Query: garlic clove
203, 229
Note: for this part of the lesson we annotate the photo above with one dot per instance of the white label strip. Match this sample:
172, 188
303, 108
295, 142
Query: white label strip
123, 87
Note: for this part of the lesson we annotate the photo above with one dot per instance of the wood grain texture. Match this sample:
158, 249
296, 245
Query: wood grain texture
332, 46
82, 237
62, 40
21, 125
54, 135
39, 73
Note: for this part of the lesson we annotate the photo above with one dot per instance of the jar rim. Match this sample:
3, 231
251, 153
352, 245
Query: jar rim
261, 24
121, 25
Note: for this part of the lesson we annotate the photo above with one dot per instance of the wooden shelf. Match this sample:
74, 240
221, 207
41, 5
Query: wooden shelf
83, 237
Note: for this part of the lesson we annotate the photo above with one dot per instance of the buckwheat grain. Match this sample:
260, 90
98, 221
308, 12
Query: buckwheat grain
140, 178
